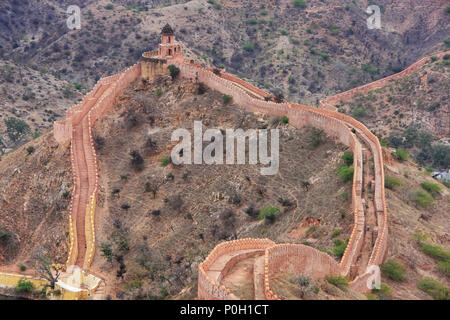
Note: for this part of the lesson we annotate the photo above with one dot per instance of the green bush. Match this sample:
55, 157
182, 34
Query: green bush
345, 173
284, 119
335, 233
109, 6
30, 149
348, 158
315, 137
22, 267
269, 213
339, 247
422, 198
434, 251
401, 154
174, 71
339, 281
359, 112
164, 161
227, 99
384, 293
391, 182
432, 188
248, 47
325, 56
299, 4
444, 267
393, 270
16, 128
447, 42
434, 288
24, 286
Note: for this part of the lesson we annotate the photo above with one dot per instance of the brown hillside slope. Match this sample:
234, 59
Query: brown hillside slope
162, 238
35, 195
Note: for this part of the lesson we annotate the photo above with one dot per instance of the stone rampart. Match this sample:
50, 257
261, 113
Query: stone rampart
332, 101
211, 289
296, 259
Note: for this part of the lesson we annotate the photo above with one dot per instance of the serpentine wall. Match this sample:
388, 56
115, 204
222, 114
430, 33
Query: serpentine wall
77, 127
332, 101
334, 124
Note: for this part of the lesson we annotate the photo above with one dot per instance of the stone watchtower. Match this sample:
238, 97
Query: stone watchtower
168, 48
155, 63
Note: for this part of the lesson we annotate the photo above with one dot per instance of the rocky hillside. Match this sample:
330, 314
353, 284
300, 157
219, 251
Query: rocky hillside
306, 52
35, 188
159, 220
412, 113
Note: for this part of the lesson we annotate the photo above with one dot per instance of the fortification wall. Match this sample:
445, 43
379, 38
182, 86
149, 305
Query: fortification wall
210, 289
300, 116
296, 259
94, 105
332, 101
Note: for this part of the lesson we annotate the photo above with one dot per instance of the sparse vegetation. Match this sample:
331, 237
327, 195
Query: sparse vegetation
345, 173
269, 214
433, 188
174, 71
393, 270
24, 286
422, 198
434, 288
227, 99
299, 4
339, 281
391, 182
339, 247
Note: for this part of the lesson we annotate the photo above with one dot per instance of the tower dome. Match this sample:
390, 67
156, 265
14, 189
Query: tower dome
167, 30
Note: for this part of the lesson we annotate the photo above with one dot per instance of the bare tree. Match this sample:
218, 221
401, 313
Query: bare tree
46, 268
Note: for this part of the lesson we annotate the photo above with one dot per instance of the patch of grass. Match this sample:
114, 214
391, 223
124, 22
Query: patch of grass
335, 233
422, 198
434, 251
109, 6
434, 288
345, 173
227, 99
401, 154
348, 158
384, 293
299, 4
433, 188
269, 213
391, 182
164, 161
284, 119
339, 247
339, 281
394, 270
24, 286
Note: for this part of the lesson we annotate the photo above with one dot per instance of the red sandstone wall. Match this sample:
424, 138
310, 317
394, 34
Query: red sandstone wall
95, 104
209, 289
299, 116
330, 102
296, 259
